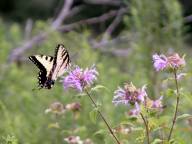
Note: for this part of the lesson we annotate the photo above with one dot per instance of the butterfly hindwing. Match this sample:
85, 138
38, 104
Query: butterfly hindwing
44, 63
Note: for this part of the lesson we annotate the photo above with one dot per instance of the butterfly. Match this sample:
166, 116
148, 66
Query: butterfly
51, 67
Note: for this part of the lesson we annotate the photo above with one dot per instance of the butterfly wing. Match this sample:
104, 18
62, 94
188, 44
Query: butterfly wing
45, 64
61, 61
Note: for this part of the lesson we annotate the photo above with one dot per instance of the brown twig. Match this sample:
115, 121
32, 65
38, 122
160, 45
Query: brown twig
188, 19
63, 13
105, 2
90, 21
114, 24
146, 127
101, 115
177, 105
28, 29
17, 52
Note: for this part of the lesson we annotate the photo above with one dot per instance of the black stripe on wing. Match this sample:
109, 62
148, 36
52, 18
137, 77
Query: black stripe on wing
42, 73
65, 52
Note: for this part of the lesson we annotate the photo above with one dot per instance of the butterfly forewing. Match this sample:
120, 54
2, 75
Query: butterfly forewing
45, 61
61, 61
51, 67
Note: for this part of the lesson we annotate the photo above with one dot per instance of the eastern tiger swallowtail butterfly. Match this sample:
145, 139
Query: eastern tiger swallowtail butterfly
51, 67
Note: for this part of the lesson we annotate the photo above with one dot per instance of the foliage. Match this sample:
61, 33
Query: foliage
23, 118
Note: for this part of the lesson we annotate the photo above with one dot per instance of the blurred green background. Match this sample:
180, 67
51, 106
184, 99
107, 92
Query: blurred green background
118, 36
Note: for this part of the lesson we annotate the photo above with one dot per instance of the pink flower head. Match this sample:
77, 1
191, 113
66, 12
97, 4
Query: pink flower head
129, 95
73, 140
154, 104
181, 75
160, 62
79, 78
174, 61
157, 103
136, 111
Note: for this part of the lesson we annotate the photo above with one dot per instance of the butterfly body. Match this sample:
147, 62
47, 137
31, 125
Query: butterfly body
51, 67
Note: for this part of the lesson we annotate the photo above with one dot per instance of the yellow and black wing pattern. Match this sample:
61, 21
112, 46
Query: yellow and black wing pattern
51, 67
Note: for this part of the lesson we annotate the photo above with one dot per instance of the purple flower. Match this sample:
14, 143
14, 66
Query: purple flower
73, 140
136, 111
181, 75
173, 61
160, 62
129, 95
154, 104
157, 103
79, 78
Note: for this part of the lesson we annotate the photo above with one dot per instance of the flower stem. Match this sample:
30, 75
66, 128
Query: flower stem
177, 105
146, 127
108, 126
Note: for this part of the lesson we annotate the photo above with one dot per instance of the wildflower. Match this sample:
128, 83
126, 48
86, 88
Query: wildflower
181, 75
173, 61
160, 62
136, 111
56, 107
79, 78
123, 129
87, 141
73, 106
73, 140
154, 104
129, 95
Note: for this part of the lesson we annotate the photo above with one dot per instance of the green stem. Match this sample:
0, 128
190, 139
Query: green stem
146, 127
101, 115
177, 105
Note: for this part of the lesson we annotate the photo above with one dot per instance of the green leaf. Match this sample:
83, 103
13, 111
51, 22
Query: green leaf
98, 87
126, 123
170, 92
80, 95
100, 132
157, 141
93, 115
184, 116
132, 118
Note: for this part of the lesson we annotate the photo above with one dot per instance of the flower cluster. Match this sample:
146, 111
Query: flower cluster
56, 107
77, 140
174, 61
59, 108
130, 95
75, 106
73, 140
154, 104
79, 78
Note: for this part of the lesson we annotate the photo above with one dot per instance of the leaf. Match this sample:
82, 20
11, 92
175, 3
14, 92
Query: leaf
98, 87
157, 141
54, 125
132, 118
93, 115
100, 132
80, 95
126, 123
170, 92
184, 116
137, 129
